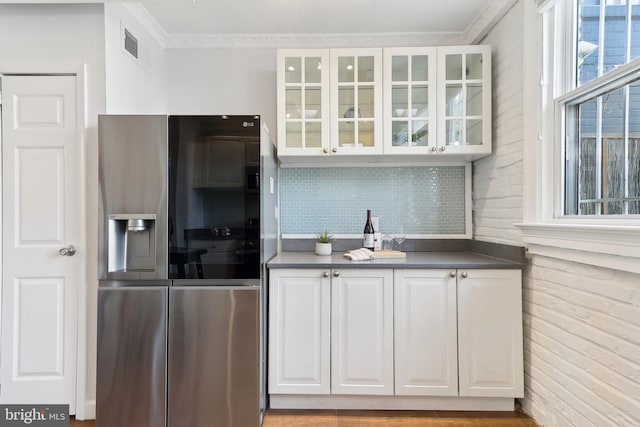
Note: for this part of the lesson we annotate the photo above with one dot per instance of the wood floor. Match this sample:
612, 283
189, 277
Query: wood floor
289, 418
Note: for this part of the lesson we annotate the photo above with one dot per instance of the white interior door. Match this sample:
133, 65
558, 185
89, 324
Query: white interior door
41, 215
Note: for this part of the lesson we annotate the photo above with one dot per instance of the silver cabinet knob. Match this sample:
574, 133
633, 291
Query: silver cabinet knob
452, 274
68, 251
433, 149
442, 149
336, 274
464, 275
325, 150
334, 150
325, 274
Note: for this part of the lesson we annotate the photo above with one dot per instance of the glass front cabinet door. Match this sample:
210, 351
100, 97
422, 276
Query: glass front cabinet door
356, 101
464, 99
409, 100
303, 102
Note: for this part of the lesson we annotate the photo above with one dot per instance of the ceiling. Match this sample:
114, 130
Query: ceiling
310, 23
196, 22
313, 16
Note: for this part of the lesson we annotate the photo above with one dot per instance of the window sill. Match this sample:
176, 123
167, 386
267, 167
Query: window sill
609, 246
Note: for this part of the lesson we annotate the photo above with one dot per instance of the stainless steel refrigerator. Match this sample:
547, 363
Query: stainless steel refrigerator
187, 223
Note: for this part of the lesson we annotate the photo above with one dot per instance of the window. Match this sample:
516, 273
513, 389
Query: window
581, 132
602, 114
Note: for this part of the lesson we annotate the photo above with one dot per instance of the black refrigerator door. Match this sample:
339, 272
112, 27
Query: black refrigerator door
214, 197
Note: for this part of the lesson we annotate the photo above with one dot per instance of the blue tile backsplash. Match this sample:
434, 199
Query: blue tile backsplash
423, 200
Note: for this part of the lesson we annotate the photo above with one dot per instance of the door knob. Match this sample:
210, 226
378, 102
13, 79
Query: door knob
68, 251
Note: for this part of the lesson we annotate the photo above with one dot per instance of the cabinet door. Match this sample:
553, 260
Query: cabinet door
303, 102
490, 333
356, 101
425, 333
362, 331
299, 331
409, 100
464, 99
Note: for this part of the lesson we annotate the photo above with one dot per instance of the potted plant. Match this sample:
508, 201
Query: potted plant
323, 245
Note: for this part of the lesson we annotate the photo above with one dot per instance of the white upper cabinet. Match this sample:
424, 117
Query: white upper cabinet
303, 102
395, 102
409, 100
464, 100
356, 101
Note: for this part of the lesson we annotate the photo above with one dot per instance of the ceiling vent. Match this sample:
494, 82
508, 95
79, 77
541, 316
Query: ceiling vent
130, 43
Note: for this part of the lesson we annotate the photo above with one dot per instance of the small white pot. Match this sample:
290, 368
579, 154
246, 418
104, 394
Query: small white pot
323, 248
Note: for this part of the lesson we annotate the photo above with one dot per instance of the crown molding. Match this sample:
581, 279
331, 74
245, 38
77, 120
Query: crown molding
190, 41
487, 19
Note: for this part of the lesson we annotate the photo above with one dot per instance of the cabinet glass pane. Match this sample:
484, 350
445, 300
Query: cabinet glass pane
312, 135
399, 68
474, 66
453, 66
474, 100
419, 101
420, 133
399, 133
293, 103
293, 73
453, 105
346, 101
345, 68
420, 68
365, 134
365, 68
312, 70
346, 132
313, 100
365, 101
453, 132
294, 134
474, 132
400, 101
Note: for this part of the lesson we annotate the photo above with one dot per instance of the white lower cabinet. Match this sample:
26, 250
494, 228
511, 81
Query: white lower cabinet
490, 333
362, 331
402, 332
425, 333
299, 331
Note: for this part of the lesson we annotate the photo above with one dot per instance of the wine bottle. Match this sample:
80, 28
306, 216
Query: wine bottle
367, 235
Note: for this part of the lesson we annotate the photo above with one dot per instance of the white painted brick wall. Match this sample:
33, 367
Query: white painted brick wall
581, 323
582, 344
497, 179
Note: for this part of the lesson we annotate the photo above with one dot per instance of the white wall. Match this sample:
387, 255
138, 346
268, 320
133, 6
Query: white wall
67, 39
581, 323
133, 86
223, 81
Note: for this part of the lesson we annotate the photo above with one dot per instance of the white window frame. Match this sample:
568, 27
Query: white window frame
550, 36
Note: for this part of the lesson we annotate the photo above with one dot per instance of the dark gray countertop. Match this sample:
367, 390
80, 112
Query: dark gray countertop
463, 259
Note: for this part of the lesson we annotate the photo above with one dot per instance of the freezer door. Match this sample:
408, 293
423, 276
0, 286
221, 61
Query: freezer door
132, 354
214, 357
